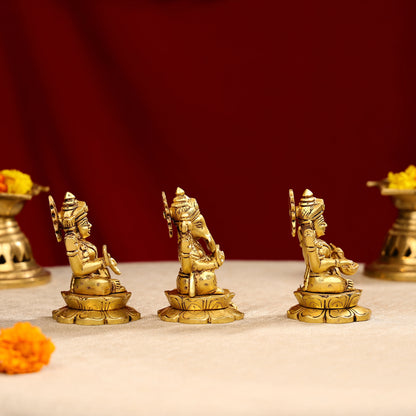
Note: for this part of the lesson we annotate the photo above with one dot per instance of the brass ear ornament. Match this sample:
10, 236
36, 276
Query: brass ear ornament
94, 297
197, 299
325, 296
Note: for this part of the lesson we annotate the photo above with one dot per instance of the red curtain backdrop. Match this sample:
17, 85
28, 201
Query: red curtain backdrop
234, 101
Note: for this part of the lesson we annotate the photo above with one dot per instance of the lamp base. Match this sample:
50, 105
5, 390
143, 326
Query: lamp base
390, 271
24, 278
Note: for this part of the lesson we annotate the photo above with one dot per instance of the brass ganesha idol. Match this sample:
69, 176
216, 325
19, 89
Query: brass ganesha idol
197, 299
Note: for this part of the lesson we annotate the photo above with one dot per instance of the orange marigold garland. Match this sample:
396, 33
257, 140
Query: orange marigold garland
24, 349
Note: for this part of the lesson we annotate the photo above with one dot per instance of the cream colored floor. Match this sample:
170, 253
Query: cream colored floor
265, 364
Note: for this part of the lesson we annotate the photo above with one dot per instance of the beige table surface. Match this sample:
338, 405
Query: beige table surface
265, 364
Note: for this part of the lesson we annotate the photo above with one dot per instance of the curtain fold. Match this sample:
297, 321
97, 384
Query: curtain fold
234, 101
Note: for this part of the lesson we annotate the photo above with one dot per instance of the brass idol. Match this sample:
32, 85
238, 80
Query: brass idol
94, 297
197, 299
326, 296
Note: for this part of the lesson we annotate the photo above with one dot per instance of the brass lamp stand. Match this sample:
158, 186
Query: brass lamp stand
18, 268
398, 255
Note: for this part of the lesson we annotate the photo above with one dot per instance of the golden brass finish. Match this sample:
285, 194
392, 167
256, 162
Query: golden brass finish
197, 298
329, 316
166, 214
215, 316
67, 315
326, 296
398, 255
96, 303
328, 300
215, 309
95, 310
199, 303
109, 261
18, 268
94, 298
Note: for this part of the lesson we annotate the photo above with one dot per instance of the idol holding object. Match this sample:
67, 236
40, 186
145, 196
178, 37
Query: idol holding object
325, 296
94, 297
197, 299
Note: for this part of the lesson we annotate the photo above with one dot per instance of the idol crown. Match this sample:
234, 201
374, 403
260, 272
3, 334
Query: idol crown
72, 212
309, 207
184, 208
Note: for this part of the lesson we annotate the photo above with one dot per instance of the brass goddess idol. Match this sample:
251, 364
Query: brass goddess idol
325, 296
197, 299
94, 297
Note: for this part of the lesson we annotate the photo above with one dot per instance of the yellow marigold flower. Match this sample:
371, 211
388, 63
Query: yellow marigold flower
24, 349
403, 180
17, 182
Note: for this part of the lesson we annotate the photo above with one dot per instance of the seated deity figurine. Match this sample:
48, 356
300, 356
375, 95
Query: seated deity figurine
197, 298
325, 296
94, 297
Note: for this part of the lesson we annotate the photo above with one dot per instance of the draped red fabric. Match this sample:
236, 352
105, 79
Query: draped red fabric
234, 101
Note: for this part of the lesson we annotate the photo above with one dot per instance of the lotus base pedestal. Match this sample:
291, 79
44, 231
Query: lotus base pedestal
95, 310
206, 309
331, 308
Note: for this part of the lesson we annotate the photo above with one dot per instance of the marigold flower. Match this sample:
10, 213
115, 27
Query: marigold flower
17, 182
24, 349
403, 180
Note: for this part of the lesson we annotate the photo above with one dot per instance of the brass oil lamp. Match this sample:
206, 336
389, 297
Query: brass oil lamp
397, 260
18, 268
